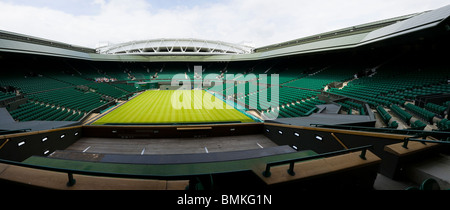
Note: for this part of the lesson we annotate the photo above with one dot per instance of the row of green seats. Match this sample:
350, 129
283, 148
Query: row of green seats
319, 80
393, 99
405, 116
70, 98
418, 125
446, 104
289, 78
4, 96
290, 111
253, 99
435, 108
302, 109
412, 94
386, 117
167, 76
35, 111
370, 98
444, 125
32, 84
69, 79
260, 105
26, 110
350, 105
49, 113
440, 88
389, 86
371, 88
285, 96
347, 107
61, 117
292, 95
423, 113
128, 88
106, 89
75, 117
118, 75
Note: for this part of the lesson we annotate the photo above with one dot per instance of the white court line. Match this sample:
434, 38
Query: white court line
143, 150
206, 149
259, 145
86, 149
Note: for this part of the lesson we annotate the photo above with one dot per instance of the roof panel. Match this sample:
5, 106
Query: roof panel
212, 47
422, 21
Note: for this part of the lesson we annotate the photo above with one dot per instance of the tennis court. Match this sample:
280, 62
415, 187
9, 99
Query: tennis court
191, 106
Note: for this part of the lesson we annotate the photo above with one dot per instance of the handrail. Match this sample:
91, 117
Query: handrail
417, 133
70, 172
14, 131
434, 133
361, 128
292, 162
423, 141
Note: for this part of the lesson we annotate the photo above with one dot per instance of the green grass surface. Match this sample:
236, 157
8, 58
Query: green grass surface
153, 107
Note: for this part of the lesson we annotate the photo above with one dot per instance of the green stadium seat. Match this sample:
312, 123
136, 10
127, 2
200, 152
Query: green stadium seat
423, 113
430, 184
405, 116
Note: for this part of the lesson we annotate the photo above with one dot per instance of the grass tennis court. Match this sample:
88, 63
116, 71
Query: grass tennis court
153, 107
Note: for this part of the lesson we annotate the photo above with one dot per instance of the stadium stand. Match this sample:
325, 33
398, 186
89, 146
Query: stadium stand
347, 85
66, 96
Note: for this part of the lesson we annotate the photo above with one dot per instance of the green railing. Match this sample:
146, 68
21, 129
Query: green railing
423, 141
71, 181
14, 131
415, 133
292, 162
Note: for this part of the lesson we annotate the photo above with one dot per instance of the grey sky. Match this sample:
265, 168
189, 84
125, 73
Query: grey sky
255, 22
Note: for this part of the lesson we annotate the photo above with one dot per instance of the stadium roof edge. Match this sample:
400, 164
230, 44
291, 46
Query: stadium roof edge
8, 35
347, 38
175, 46
358, 29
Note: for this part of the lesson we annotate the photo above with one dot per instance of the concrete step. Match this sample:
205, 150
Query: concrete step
436, 167
384, 183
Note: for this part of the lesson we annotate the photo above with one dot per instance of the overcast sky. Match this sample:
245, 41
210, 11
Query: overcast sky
255, 22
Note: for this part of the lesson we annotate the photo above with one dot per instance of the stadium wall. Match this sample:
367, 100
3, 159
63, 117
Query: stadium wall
18, 147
